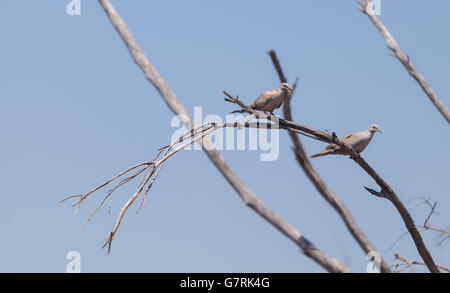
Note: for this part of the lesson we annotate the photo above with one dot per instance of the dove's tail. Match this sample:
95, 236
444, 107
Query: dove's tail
322, 153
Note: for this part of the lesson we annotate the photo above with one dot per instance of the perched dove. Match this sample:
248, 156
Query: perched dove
270, 100
358, 141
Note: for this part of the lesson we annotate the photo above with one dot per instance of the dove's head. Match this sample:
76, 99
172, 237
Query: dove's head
373, 128
284, 87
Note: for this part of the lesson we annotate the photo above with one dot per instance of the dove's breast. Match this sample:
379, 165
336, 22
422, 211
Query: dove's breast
362, 143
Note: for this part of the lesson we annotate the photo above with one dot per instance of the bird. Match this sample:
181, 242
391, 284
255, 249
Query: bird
270, 100
358, 141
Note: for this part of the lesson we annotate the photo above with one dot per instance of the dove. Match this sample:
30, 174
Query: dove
358, 141
270, 100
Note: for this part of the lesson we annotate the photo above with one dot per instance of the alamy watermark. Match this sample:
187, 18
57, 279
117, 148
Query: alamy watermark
73, 8
374, 264
231, 138
74, 264
376, 7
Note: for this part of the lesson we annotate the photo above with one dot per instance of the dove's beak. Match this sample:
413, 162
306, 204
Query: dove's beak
379, 131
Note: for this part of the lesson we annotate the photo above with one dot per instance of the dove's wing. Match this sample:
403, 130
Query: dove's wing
358, 140
334, 146
351, 138
265, 99
280, 101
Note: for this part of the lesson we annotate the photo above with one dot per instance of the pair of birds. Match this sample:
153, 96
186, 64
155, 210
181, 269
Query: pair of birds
270, 100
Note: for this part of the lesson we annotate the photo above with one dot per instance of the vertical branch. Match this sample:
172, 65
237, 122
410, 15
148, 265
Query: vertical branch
315, 178
250, 199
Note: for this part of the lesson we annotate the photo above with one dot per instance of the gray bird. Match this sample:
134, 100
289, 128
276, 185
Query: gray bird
270, 100
358, 141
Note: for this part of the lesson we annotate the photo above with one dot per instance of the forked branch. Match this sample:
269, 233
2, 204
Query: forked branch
404, 264
427, 225
152, 170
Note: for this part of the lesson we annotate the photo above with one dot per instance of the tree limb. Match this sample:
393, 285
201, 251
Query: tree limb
366, 8
250, 199
315, 178
428, 227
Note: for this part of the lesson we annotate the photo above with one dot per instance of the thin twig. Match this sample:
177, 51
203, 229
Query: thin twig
426, 225
84, 196
404, 264
110, 192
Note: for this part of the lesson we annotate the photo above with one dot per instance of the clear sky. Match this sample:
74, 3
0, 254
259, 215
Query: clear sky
75, 110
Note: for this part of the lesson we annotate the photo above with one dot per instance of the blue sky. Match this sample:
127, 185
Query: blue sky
75, 110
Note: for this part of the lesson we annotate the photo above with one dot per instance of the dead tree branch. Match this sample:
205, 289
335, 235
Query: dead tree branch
250, 199
405, 264
315, 178
152, 171
428, 227
366, 8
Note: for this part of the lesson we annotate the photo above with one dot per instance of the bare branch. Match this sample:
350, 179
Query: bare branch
433, 207
110, 192
250, 199
366, 8
277, 65
315, 178
404, 264
398, 239
428, 227
84, 196
195, 135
